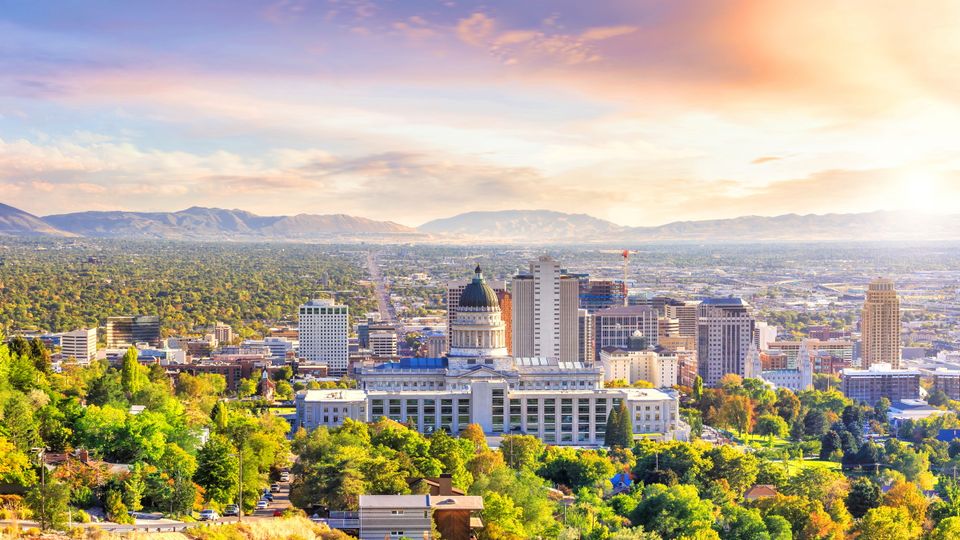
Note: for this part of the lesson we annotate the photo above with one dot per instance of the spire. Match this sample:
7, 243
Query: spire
477, 271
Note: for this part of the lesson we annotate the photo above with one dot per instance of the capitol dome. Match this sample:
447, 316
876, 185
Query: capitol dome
478, 294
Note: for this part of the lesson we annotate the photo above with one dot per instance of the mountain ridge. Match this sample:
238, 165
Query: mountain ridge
506, 226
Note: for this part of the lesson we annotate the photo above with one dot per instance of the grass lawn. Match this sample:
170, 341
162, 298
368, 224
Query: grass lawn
283, 410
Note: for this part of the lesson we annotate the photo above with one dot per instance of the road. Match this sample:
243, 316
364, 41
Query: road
383, 300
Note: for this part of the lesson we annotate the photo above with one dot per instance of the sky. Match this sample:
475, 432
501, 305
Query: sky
640, 112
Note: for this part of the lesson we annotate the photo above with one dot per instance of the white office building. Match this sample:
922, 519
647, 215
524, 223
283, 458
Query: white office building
545, 306
383, 342
280, 348
324, 334
634, 366
80, 344
559, 402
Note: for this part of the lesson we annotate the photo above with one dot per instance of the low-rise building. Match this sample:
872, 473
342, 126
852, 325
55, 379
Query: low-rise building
878, 381
661, 371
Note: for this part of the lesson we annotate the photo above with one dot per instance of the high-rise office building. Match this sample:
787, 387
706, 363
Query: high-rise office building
545, 305
125, 331
585, 329
880, 325
597, 294
383, 342
80, 344
455, 289
223, 333
324, 334
725, 335
686, 313
617, 326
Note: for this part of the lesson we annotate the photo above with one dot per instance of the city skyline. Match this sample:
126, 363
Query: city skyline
413, 111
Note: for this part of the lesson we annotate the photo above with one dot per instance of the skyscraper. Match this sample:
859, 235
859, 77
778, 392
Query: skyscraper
880, 325
324, 334
545, 304
125, 331
724, 337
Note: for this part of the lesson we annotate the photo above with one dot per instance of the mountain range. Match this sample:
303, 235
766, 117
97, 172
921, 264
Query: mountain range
509, 226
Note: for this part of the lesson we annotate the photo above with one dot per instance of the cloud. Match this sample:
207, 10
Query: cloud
475, 29
765, 159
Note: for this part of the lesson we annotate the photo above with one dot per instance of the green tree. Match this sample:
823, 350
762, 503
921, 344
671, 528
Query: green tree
19, 423
619, 433
247, 388
133, 374
771, 425
521, 451
738, 523
886, 523
115, 509
133, 488
947, 529
49, 504
698, 388
217, 469
864, 495
673, 512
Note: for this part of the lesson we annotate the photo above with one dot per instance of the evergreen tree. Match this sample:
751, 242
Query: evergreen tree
864, 495
698, 388
619, 432
133, 375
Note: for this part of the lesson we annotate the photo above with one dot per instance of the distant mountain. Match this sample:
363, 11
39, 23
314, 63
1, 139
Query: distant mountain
524, 226
539, 226
16, 222
809, 227
216, 223
509, 226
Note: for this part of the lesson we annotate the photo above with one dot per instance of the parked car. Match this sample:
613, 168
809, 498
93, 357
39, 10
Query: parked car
231, 510
275, 488
262, 504
267, 496
208, 514
284, 477
278, 512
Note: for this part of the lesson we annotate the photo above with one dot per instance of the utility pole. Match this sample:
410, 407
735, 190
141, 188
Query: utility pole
240, 506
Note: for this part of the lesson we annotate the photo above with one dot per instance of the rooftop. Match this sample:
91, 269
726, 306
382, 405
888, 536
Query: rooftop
394, 501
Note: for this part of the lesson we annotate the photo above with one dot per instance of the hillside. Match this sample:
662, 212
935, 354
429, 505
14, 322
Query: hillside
16, 222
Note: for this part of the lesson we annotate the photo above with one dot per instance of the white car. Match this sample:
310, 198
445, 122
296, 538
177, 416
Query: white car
262, 504
209, 515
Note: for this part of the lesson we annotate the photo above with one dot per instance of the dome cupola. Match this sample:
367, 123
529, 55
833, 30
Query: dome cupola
479, 295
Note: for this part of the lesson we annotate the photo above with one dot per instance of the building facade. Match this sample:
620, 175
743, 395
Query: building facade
615, 327
545, 303
880, 325
80, 344
662, 371
124, 331
324, 334
724, 337
597, 294
878, 381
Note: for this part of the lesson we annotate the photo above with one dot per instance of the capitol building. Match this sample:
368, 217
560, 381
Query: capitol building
478, 382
